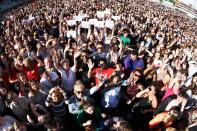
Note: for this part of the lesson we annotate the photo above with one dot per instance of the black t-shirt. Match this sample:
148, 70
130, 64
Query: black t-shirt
95, 117
54, 30
35, 128
194, 128
82, 72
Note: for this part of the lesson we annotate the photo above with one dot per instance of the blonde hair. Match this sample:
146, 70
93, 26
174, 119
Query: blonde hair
79, 84
170, 129
27, 61
16, 126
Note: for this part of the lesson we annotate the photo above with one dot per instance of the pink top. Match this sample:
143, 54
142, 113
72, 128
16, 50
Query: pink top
169, 92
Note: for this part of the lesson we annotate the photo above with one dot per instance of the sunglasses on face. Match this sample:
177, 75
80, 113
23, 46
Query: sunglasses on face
136, 74
79, 92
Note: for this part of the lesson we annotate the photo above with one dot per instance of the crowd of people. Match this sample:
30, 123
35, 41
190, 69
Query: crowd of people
97, 65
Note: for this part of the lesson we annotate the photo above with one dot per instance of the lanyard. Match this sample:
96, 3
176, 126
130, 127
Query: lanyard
67, 73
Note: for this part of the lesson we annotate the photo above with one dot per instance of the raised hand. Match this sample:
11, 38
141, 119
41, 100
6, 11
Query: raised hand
119, 39
129, 102
67, 47
60, 89
131, 75
54, 52
77, 54
142, 44
114, 58
102, 82
176, 79
38, 46
89, 122
103, 115
90, 64
52, 90
129, 80
170, 56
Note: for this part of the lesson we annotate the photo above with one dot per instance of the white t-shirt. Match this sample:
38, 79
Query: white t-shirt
68, 79
192, 69
157, 62
107, 39
46, 85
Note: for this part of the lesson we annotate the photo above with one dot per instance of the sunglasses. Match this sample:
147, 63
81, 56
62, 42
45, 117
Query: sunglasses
79, 92
137, 74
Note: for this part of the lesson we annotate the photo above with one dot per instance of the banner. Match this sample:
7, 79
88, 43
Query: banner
85, 24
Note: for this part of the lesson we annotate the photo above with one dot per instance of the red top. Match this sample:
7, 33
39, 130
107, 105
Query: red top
102, 74
6, 79
32, 74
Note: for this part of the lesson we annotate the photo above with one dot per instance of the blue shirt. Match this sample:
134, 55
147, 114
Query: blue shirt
111, 97
132, 65
74, 104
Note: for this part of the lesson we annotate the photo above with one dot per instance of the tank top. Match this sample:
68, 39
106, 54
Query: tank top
168, 92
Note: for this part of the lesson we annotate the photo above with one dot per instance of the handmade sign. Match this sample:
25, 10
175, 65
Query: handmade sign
85, 24
100, 14
71, 22
92, 21
109, 24
78, 18
31, 17
107, 12
26, 21
100, 24
116, 17
72, 34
